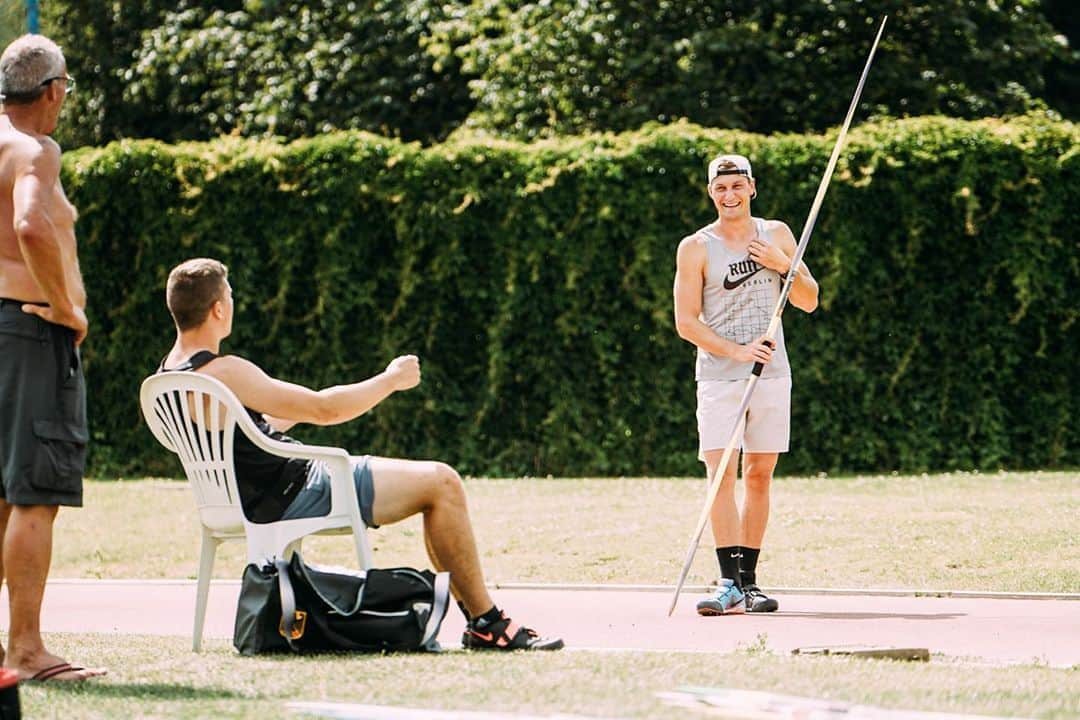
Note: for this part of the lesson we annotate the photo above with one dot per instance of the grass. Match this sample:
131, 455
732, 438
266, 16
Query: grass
1012, 532
161, 678
960, 531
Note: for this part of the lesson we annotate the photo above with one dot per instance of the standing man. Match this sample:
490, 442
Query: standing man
728, 279
43, 430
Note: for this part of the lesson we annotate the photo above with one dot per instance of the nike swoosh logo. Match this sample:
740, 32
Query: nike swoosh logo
730, 284
486, 637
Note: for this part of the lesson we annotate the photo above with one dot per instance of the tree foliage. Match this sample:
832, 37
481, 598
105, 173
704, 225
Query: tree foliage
193, 70
99, 40
1063, 73
12, 20
567, 66
418, 69
296, 69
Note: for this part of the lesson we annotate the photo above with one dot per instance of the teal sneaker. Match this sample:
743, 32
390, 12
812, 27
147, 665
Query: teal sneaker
728, 600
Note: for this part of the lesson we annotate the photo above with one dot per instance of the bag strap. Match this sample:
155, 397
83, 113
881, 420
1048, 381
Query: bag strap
438, 610
288, 600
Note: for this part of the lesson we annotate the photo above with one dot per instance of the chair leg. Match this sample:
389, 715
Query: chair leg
363, 549
202, 588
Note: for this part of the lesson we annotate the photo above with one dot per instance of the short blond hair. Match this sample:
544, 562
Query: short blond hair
27, 63
193, 288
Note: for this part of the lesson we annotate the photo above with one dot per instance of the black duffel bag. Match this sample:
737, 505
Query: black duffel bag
287, 605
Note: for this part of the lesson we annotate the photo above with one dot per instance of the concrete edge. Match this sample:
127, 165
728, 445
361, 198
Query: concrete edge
586, 587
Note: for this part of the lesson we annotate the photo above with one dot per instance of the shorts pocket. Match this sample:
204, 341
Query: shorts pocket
60, 456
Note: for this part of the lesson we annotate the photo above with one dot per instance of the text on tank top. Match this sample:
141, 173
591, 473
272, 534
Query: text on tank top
738, 300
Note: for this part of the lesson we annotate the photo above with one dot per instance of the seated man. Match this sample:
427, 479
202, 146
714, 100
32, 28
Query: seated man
389, 490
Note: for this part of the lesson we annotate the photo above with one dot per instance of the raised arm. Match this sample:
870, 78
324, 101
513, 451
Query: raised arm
776, 255
289, 402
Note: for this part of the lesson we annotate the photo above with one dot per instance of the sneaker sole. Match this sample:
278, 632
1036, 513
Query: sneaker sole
552, 644
710, 612
767, 609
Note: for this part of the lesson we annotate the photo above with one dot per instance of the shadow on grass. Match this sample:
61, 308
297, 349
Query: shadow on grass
145, 691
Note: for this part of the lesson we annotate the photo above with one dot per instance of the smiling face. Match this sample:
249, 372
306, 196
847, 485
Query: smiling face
731, 194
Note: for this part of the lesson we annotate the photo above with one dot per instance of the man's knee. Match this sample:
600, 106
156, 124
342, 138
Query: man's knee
439, 485
447, 482
731, 473
758, 480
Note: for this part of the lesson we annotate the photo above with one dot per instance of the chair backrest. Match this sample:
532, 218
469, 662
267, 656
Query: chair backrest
194, 416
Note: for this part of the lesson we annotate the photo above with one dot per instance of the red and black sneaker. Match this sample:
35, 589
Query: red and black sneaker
505, 634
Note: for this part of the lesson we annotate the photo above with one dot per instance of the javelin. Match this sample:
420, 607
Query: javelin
774, 324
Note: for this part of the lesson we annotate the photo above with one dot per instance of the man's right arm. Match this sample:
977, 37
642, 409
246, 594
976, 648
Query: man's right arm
689, 285
330, 406
39, 241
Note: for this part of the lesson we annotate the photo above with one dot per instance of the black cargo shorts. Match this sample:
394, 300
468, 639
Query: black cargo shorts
43, 431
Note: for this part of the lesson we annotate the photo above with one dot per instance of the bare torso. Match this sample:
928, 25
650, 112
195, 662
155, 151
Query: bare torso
16, 281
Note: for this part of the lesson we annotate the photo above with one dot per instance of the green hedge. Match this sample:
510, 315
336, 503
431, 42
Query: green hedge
534, 281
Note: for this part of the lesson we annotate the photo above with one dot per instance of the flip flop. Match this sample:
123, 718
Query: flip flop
59, 669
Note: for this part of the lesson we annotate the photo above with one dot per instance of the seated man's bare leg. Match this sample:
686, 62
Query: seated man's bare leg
406, 487
27, 553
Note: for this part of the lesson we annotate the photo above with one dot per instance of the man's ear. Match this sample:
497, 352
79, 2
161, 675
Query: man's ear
54, 91
753, 189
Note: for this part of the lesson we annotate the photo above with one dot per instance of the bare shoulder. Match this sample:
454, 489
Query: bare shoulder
691, 247
780, 233
39, 156
231, 368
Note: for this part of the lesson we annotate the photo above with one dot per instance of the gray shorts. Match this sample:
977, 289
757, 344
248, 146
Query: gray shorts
768, 419
43, 431
314, 498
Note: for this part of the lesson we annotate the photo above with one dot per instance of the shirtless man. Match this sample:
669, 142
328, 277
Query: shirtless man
43, 431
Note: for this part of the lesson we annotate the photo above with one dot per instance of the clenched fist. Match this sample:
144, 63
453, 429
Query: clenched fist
404, 372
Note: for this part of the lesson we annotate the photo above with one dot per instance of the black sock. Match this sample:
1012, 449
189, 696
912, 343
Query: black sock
748, 565
492, 615
728, 558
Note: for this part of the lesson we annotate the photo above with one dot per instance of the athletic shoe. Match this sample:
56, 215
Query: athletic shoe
728, 600
505, 634
758, 602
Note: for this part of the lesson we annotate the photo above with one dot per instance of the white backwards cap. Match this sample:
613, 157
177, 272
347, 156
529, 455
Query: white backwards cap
730, 165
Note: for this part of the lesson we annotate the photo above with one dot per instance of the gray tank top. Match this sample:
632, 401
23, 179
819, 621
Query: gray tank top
738, 301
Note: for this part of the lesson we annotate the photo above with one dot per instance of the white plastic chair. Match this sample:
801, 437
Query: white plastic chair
175, 405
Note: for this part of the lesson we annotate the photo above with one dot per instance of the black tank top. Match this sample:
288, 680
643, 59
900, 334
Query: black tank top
267, 483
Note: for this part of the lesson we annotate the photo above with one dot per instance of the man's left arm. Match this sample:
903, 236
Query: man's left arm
775, 253
279, 424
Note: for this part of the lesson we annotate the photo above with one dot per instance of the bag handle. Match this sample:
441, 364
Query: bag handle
438, 610
288, 601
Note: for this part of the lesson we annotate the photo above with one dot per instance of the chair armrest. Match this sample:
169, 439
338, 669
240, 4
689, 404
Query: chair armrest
285, 449
299, 450
343, 498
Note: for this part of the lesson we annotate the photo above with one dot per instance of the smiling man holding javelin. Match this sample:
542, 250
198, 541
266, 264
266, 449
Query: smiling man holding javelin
728, 279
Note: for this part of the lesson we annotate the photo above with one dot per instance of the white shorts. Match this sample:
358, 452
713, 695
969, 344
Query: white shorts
768, 419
